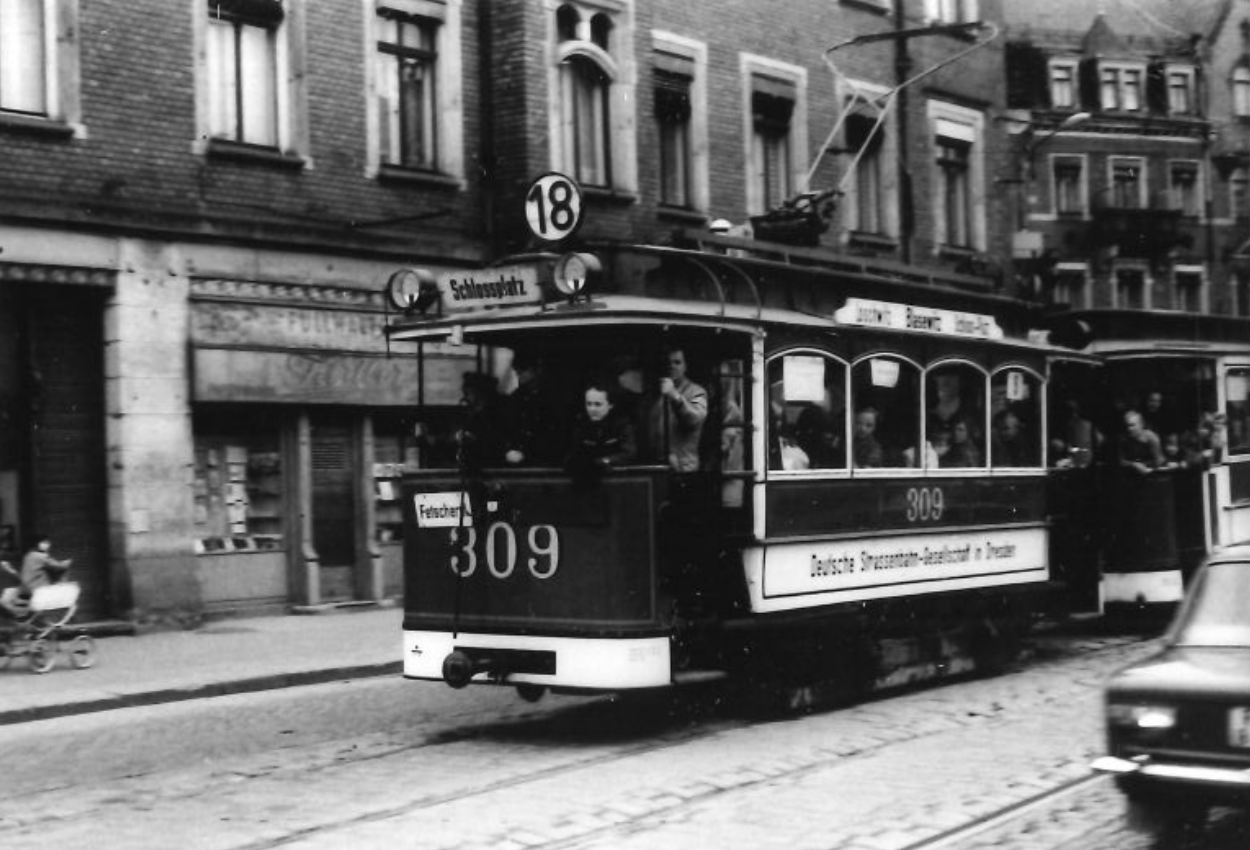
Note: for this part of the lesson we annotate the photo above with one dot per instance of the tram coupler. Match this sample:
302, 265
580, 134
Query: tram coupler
459, 668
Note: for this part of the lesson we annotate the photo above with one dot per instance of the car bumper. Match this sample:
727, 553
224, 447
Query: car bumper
1195, 776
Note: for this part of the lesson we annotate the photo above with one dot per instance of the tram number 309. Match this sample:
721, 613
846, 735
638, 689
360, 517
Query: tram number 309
501, 552
925, 504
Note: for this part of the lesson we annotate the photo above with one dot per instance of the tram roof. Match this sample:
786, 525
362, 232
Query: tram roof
1162, 332
729, 287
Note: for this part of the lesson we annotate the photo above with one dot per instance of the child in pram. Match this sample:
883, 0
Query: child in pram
39, 569
39, 608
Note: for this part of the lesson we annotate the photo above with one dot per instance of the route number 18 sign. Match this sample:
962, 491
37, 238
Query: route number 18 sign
553, 207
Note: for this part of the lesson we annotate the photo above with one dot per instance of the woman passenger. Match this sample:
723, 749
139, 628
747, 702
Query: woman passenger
601, 437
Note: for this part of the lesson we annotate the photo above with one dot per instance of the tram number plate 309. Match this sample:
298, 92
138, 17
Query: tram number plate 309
1239, 726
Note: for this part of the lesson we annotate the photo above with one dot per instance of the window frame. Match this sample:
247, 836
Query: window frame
1042, 440
447, 166
1185, 74
1120, 83
61, 112
857, 99
1192, 167
1118, 301
757, 73
1114, 185
1200, 288
1239, 90
951, 11
981, 421
853, 407
1069, 87
1063, 163
1068, 271
843, 471
292, 146
698, 162
617, 66
967, 126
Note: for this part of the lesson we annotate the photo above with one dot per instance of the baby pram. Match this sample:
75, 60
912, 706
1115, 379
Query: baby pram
37, 627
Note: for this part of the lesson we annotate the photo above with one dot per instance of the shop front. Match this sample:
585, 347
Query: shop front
302, 425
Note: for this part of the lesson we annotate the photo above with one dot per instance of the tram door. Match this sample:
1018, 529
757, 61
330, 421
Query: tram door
334, 506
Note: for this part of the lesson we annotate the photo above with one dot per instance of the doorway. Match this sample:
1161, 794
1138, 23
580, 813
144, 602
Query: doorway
334, 506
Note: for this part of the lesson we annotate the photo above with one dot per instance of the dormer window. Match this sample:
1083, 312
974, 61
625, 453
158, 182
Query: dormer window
1120, 87
1063, 84
1180, 86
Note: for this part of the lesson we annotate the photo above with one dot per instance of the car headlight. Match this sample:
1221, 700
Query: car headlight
1142, 716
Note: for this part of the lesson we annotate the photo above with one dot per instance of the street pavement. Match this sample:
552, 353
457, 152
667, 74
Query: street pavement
220, 657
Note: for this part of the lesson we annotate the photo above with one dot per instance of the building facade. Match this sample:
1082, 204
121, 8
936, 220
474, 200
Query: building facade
1132, 153
201, 201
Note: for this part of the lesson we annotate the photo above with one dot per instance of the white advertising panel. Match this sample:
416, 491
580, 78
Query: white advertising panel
789, 576
443, 510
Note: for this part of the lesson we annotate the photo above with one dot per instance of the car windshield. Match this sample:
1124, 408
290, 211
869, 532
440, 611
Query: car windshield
1219, 612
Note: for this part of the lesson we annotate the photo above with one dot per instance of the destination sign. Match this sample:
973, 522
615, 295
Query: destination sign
909, 317
506, 286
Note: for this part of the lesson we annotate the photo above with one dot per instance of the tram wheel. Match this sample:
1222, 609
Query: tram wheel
530, 692
82, 652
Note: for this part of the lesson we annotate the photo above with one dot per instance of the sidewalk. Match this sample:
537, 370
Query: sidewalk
221, 657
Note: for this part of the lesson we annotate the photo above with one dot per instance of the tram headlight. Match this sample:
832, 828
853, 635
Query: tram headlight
412, 290
573, 272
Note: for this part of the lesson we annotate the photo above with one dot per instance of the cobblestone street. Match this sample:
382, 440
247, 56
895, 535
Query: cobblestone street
482, 770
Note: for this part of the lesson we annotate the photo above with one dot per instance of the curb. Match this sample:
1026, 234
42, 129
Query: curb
215, 689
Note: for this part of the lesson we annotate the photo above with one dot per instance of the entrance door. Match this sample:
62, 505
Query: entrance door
334, 507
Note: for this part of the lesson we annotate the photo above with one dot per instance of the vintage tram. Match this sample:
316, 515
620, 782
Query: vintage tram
1187, 376
865, 495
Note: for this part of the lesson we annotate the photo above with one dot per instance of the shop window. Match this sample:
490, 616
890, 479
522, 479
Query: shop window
395, 452
885, 423
955, 416
807, 401
239, 497
1015, 419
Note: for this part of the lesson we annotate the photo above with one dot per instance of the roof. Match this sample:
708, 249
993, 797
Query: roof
1114, 25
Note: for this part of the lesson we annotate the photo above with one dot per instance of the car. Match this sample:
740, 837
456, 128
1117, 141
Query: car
1178, 722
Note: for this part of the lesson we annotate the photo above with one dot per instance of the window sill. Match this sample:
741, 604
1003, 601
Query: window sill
604, 195
37, 125
400, 175
224, 149
681, 215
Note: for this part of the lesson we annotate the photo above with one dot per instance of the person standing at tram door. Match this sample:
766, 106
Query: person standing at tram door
477, 439
1140, 449
866, 452
528, 438
677, 416
601, 437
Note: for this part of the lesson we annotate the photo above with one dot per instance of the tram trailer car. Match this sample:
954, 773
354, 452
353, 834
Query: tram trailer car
868, 501
1148, 532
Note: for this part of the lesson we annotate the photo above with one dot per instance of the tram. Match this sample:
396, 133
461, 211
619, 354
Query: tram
865, 492
1188, 378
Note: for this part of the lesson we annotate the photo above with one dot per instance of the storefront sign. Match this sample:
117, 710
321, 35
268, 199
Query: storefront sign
908, 317
315, 378
800, 575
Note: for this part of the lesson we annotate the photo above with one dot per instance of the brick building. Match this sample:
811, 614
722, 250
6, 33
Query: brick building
200, 203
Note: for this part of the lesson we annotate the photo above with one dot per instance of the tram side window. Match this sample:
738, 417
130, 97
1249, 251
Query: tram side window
1237, 411
885, 397
955, 416
1015, 419
807, 400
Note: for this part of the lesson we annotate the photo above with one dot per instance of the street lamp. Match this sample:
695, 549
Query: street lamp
1033, 144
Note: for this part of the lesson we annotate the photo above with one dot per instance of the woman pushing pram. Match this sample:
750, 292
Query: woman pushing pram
39, 606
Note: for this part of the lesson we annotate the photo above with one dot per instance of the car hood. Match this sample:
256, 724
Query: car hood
1187, 670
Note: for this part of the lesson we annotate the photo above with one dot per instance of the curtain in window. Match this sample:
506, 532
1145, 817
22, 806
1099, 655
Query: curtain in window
407, 65
23, 80
242, 70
